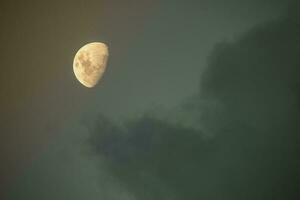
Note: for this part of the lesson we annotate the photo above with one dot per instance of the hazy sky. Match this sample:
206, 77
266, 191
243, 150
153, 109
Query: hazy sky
161, 54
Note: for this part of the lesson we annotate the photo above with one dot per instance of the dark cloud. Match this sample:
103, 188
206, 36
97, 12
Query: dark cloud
248, 103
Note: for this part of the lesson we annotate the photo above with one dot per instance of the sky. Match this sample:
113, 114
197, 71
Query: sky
200, 100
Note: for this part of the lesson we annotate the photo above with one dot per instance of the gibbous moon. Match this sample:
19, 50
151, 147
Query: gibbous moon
90, 62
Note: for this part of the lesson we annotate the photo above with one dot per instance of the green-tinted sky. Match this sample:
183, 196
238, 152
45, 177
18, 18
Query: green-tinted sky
220, 79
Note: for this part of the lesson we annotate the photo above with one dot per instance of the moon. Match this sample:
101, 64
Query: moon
90, 63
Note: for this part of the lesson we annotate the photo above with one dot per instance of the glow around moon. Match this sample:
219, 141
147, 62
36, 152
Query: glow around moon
90, 63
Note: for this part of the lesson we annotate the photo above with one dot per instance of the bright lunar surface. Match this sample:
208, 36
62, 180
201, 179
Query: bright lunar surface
90, 63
